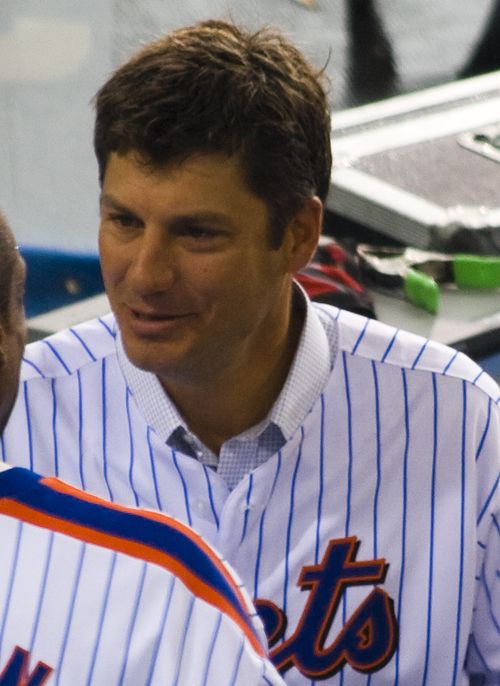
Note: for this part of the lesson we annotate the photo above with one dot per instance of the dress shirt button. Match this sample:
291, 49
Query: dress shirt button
203, 509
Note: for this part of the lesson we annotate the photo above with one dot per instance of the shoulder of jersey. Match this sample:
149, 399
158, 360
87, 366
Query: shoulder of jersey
69, 350
150, 536
374, 340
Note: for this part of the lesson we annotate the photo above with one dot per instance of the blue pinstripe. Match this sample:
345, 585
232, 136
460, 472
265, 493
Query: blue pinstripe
211, 496
405, 506
389, 347
80, 429
69, 619
321, 479
12, 576
431, 544
133, 620
153, 468
33, 366
247, 509
378, 458
360, 337
110, 331
84, 345
131, 447
484, 509
462, 534
420, 353
101, 620
156, 650
184, 487
183, 642
490, 603
478, 377
452, 360
211, 649
290, 519
237, 665
478, 652
56, 354
104, 434
54, 427
43, 588
28, 423
2, 447
485, 432
261, 530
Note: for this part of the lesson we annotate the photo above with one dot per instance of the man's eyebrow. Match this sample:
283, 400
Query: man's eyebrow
108, 200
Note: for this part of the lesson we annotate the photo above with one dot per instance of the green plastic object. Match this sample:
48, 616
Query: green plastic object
475, 271
421, 290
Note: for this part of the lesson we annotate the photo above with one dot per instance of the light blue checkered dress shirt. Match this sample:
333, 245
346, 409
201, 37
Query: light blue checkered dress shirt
307, 377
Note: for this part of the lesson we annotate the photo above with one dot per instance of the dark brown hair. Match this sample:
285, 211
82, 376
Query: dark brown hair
8, 258
215, 88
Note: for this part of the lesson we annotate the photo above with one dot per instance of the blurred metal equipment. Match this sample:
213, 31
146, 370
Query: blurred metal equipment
424, 168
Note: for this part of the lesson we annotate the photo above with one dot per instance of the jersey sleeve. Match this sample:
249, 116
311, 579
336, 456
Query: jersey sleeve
483, 660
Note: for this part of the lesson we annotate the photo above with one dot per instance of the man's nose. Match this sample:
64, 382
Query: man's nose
152, 267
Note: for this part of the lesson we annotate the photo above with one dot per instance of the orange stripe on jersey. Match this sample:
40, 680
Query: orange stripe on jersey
62, 487
135, 549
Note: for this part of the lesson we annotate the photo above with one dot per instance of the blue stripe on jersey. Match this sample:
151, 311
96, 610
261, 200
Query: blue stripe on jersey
80, 429
133, 620
234, 675
110, 331
211, 496
156, 649
420, 353
431, 542
462, 534
56, 354
478, 377
211, 650
405, 508
290, 520
153, 469
478, 653
485, 432
28, 424
84, 345
184, 488
360, 337
452, 360
69, 619
102, 615
26, 488
247, 508
321, 479
182, 645
490, 600
389, 347
349, 444
33, 366
41, 595
10, 586
104, 433
261, 529
378, 461
484, 509
54, 428
128, 393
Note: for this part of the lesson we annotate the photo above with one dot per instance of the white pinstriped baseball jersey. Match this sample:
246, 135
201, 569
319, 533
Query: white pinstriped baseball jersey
94, 594
371, 540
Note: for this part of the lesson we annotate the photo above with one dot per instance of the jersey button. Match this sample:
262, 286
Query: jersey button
203, 509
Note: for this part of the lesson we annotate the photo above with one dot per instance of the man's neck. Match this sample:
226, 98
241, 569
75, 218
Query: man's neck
240, 398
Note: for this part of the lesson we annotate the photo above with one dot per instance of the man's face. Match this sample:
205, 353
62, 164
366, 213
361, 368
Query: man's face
12, 341
185, 259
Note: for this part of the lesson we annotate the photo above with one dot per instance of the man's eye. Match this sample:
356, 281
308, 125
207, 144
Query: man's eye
198, 232
124, 220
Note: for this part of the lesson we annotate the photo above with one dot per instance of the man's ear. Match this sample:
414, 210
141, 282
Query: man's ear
303, 232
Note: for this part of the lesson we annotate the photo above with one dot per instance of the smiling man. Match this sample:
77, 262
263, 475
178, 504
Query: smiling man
348, 470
